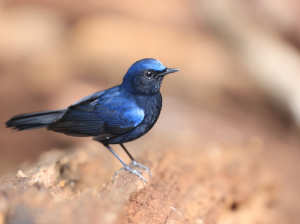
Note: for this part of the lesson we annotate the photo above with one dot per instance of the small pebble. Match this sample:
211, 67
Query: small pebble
21, 174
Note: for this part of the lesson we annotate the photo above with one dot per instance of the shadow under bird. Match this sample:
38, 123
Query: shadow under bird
113, 116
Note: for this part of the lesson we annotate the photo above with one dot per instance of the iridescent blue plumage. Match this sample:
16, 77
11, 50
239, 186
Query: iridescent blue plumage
104, 115
148, 63
114, 116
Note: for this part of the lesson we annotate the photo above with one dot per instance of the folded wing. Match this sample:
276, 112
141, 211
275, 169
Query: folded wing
105, 116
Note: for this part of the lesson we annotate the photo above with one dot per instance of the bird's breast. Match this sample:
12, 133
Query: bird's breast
151, 107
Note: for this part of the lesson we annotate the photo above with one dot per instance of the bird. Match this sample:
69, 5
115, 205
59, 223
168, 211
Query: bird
116, 115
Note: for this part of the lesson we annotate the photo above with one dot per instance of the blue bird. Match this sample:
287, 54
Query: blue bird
113, 116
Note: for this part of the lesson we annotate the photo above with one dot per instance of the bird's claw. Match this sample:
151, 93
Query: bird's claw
135, 172
136, 164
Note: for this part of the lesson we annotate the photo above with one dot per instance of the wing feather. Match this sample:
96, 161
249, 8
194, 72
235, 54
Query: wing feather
107, 115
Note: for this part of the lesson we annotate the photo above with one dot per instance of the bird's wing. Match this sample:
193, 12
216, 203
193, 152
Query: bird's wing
89, 98
107, 115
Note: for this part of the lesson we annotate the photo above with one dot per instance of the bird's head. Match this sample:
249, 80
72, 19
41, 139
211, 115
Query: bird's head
145, 76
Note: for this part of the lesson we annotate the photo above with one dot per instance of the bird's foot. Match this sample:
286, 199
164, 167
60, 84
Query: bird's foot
136, 164
135, 172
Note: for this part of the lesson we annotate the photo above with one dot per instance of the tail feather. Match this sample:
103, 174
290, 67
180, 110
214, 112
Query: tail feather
34, 120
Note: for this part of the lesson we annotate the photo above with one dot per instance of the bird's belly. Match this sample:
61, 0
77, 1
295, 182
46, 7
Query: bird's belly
150, 119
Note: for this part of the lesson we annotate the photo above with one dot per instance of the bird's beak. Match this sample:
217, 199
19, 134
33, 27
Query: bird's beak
170, 70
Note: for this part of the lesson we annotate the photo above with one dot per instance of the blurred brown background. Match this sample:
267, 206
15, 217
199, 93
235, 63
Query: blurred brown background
239, 67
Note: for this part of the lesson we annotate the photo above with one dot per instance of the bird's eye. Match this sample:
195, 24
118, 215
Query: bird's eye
149, 74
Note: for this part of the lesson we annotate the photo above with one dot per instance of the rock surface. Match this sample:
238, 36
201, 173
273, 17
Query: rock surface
216, 184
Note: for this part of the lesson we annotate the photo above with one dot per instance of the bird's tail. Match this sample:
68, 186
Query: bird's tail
34, 120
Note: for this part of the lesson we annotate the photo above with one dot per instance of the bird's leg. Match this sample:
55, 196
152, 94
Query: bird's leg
134, 162
125, 166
